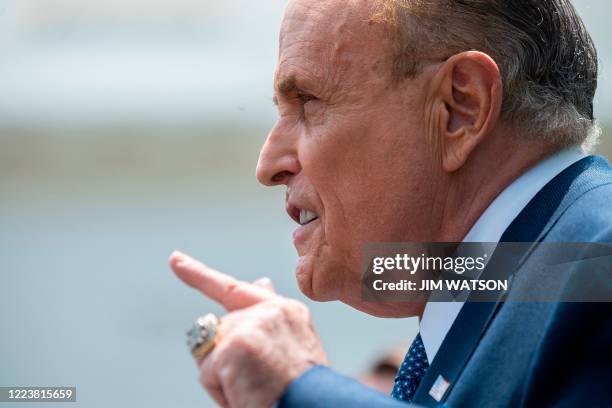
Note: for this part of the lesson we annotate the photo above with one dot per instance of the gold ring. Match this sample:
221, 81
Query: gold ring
201, 338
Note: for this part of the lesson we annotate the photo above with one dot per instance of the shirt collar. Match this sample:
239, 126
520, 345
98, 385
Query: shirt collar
438, 317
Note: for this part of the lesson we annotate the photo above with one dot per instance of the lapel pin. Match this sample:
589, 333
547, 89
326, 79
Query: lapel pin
439, 388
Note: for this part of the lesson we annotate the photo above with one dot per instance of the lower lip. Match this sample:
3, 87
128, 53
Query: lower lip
303, 232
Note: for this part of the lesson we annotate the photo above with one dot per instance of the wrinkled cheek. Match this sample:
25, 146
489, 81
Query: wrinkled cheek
329, 266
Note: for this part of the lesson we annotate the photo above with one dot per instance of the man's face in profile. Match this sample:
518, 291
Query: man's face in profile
348, 144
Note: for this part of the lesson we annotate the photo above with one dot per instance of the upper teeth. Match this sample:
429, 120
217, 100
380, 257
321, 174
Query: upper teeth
307, 216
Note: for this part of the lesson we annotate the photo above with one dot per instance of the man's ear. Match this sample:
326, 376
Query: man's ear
465, 98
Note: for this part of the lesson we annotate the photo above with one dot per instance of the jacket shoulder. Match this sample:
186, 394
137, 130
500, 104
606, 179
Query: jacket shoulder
586, 214
587, 219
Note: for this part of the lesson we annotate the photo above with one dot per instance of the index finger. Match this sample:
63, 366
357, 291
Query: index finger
224, 289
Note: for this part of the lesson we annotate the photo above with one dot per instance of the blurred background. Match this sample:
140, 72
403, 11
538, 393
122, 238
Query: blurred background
129, 129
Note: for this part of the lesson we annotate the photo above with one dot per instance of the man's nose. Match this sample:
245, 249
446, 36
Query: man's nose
278, 160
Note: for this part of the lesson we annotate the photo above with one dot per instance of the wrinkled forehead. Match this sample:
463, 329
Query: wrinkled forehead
326, 32
318, 20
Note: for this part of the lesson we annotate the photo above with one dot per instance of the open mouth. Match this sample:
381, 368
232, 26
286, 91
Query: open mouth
302, 216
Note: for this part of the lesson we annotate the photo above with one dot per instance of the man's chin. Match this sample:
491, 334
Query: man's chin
306, 274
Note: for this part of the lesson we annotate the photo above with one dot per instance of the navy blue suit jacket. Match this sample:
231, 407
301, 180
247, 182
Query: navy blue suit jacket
531, 354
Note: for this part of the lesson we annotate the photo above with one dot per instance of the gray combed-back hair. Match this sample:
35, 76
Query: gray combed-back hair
546, 57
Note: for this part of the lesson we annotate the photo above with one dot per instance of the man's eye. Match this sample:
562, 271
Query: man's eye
305, 98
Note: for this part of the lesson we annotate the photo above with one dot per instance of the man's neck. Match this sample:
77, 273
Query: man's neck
474, 187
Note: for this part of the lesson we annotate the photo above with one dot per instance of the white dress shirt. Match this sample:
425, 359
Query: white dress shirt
438, 317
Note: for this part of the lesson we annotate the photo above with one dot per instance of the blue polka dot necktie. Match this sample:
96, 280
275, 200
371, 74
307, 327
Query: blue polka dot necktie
411, 372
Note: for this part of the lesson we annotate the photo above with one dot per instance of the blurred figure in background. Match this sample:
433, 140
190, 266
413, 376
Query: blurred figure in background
381, 374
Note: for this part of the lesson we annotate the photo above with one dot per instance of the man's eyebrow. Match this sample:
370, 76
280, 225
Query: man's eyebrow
285, 88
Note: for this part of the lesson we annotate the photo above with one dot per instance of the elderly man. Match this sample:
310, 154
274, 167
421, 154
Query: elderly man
422, 121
